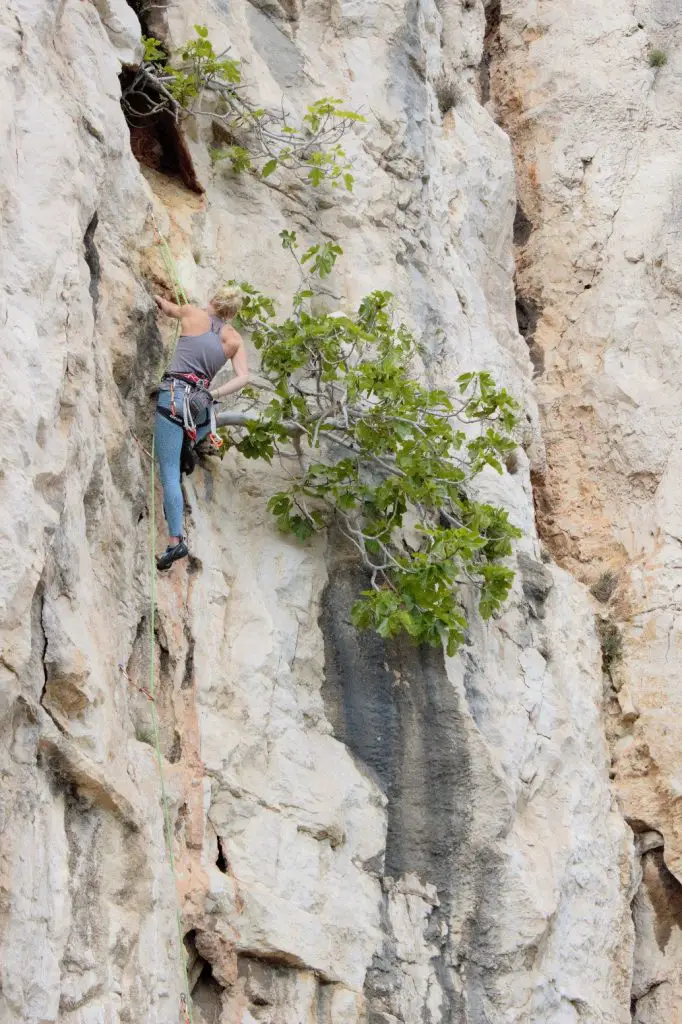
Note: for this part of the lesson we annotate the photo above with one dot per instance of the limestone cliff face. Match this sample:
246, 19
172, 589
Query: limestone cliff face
595, 129
363, 834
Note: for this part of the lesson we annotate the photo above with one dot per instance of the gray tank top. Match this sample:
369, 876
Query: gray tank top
200, 353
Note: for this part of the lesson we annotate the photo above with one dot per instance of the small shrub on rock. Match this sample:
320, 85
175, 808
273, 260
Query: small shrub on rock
611, 640
657, 58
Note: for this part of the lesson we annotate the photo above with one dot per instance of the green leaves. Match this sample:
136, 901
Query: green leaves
386, 458
153, 50
289, 240
239, 158
323, 258
261, 140
324, 109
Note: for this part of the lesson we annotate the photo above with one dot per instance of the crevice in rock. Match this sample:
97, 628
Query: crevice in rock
188, 674
38, 634
39, 648
527, 317
164, 654
92, 260
493, 16
137, 676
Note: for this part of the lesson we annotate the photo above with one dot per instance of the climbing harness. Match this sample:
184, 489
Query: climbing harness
196, 401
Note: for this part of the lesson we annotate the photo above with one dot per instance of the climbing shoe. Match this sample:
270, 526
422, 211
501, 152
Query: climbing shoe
172, 553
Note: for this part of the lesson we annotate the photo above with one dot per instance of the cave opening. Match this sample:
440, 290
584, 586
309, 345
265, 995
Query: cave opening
156, 139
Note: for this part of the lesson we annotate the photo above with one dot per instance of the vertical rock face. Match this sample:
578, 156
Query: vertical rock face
360, 833
591, 104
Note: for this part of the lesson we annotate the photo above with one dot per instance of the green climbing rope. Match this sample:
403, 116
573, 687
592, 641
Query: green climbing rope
170, 265
167, 824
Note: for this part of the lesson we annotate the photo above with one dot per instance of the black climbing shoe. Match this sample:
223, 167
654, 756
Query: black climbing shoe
172, 554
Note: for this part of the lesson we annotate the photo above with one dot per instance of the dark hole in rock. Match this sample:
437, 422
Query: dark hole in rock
665, 895
207, 996
175, 752
493, 16
522, 226
155, 137
221, 859
206, 992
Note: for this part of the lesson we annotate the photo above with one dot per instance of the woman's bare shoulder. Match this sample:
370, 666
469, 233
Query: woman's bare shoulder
231, 338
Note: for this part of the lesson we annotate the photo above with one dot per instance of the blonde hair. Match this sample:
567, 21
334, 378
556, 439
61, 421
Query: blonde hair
227, 302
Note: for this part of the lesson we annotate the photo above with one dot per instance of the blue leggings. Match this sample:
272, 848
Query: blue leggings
168, 445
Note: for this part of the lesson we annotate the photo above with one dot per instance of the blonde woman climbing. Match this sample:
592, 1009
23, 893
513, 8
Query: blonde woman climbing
184, 409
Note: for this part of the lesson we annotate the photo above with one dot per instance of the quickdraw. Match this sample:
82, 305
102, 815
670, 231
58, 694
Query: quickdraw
142, 689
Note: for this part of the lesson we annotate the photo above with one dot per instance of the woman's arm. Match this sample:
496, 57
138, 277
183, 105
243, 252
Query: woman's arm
170, 309
241, 372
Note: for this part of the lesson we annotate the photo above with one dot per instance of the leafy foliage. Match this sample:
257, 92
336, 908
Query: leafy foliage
657, 58
385, 458
262, 141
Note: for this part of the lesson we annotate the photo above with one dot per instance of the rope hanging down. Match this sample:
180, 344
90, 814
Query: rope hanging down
186, 1007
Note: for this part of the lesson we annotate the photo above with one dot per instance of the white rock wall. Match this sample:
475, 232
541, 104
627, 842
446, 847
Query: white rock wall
361, 834
596, 131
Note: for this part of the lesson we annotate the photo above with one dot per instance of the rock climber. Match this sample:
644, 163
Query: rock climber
185, 402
